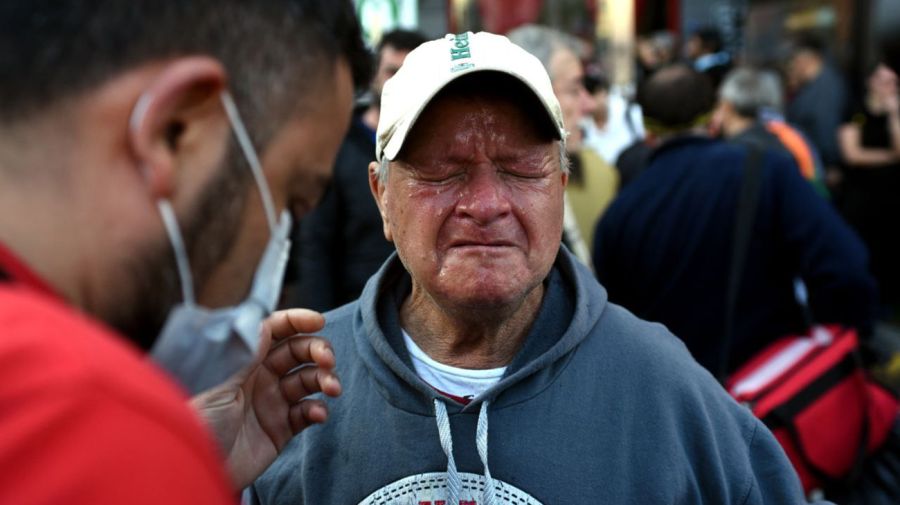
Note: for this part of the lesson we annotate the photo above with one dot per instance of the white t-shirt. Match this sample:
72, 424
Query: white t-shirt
453, 381
617, 135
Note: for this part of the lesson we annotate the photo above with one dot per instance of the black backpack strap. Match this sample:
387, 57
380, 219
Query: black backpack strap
748, 201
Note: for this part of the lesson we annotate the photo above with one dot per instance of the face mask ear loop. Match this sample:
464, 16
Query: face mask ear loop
250, 153
181, 258
170, 223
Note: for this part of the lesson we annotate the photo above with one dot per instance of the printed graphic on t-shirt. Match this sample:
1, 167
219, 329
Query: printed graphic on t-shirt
431, 489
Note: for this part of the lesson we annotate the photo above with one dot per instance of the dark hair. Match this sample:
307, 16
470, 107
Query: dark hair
675, 97
400, 39
55, 50
808, 43
594, 81
710, 38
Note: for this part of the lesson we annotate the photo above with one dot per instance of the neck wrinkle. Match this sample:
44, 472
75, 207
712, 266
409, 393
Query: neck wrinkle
468, 338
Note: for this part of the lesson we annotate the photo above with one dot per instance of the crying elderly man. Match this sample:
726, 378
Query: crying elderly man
483, 364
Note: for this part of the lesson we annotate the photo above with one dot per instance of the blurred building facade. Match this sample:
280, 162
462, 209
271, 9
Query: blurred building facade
754, 31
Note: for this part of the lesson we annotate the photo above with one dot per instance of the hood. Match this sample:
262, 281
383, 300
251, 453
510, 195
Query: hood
572, 306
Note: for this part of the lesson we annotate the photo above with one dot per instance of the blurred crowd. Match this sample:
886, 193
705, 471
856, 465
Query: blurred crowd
847, 148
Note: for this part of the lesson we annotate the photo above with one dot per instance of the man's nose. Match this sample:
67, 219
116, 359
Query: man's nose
484, 197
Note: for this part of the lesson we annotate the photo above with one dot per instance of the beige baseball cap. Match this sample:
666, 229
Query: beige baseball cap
433, 65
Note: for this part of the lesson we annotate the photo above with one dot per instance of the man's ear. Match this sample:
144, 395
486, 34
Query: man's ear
378, 192
179, 101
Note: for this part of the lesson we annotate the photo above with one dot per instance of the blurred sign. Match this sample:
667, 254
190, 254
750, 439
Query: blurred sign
811, 18
501, 16
380, 16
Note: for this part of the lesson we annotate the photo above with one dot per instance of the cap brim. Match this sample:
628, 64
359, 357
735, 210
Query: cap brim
403, 127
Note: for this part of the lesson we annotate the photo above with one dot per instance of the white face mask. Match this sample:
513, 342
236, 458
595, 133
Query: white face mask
202, 347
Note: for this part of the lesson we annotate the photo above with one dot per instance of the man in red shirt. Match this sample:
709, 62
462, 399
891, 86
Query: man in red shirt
120, 143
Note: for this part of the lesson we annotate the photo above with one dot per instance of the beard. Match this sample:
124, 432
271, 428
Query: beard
208, 233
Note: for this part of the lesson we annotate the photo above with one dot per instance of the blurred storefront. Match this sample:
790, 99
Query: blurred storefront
842, 25
606, 27
755, 31
758, 31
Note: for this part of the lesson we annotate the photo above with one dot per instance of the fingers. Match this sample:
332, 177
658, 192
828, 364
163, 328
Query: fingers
306, 413
286, 323
309, 380
297, 351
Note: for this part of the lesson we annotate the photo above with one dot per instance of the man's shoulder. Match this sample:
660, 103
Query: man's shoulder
43, 332
692, 155
339, 322
632, 355
76, 383
342, 315
718, 149
709, 159
48, 350
684, 164
635, 342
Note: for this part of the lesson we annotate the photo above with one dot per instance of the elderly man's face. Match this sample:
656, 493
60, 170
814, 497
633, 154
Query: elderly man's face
574, 99
475, 206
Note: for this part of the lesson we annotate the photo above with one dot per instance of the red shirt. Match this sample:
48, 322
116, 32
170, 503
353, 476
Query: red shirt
84, 418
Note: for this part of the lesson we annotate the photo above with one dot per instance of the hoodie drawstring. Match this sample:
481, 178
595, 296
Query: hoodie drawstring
454, 483
481, 441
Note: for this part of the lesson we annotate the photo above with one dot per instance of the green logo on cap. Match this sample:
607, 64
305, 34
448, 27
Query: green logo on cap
459, 50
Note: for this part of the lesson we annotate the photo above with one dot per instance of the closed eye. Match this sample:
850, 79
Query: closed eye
524, 172
440, 178
524, 175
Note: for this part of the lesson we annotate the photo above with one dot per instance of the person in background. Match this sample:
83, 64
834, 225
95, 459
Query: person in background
615, 122
706, 52
654, 51
748, 112
870, 145
149, 163
666, 44
663, 248
819, 101
483, 363
647, 58
339, 244
592, 183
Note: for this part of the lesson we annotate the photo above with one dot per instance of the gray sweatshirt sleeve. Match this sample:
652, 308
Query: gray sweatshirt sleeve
773, 480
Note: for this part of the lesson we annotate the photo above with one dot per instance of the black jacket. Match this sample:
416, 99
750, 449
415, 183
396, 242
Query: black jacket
663, 250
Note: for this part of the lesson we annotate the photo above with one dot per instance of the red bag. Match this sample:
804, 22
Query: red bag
814, 395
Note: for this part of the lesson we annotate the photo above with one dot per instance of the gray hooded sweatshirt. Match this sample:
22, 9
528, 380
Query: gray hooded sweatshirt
597, 407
